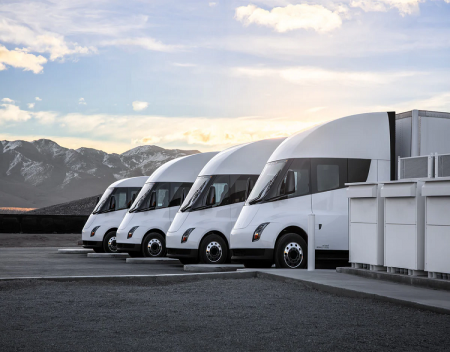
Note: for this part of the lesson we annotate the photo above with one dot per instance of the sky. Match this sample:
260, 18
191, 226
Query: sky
206, 75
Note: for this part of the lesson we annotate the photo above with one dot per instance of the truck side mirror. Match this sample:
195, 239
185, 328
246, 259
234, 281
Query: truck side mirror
112, 203
153, 200
97, 200
250, 185
211, 196
290, 183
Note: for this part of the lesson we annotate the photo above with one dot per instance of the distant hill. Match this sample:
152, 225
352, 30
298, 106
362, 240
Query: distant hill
42, 173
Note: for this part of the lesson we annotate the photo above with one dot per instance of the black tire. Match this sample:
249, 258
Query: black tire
154, 245
186, 261
213, 250
98, 250
109, 242
135, 254
291, 252
258, 264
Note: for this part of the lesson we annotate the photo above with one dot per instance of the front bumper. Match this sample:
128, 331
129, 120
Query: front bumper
184, 253
129, 247
92, 244
248, 254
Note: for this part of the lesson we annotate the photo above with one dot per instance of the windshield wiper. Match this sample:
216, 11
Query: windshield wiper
263, 191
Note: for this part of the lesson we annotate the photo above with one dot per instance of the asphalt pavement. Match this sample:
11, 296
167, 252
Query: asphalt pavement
46, 261
212, 315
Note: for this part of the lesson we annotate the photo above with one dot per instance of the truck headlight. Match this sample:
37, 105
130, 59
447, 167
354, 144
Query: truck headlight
130, 233
93, 231
258, 232
186, 234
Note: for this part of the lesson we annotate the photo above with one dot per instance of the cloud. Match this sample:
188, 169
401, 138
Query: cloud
31, 105
8, 101
20, 58
40, 42
81, 101
38, 99
305, 75
290, 17
403, 6
143, 42
212, 4
139, 105
12, 113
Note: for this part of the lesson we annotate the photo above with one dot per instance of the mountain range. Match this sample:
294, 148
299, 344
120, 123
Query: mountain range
42, 173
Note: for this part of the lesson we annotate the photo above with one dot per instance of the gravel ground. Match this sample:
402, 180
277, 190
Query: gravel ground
39, 240
216, 315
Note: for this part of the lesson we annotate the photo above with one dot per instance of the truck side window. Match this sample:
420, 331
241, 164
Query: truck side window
221, 184
328, 174
132, 194
162, 195
358, 170
177, 192
301, 170
121, 198
239, 187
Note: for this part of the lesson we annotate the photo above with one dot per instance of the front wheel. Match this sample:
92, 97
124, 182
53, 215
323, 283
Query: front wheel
109, 242
291, 252
213, 250
154, 245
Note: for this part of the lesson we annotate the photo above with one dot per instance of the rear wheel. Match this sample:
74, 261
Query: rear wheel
213, 250
291, 252
154, 245
109, 242
258, 264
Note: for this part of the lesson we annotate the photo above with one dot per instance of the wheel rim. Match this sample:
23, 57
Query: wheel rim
112, 244
214, 252
154, 247
293, 255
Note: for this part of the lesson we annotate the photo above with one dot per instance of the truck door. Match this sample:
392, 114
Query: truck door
329, 203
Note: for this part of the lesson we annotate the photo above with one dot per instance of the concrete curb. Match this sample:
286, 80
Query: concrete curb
107, 255
162, 260
210, 268
419, 281
75, 251
351, 293
165, 278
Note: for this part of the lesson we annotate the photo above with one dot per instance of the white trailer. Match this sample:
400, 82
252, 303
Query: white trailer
307, 173
143, 230
201, 228
99, 232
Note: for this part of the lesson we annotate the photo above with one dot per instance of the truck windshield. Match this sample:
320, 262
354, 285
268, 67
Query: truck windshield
195, 192
102, 204
265, 181
142, 202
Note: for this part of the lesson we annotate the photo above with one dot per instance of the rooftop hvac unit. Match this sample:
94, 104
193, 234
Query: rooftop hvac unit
442, 165
416, 167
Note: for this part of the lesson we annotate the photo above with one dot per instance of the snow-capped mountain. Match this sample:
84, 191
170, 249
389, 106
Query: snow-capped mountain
41, 173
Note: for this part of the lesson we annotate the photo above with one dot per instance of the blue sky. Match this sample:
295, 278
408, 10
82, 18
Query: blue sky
209, 74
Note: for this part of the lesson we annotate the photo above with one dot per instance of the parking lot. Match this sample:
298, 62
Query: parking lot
218, 314
46, 261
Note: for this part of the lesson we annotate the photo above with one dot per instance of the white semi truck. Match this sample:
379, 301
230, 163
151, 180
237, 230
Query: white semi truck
201, 229
142, 231
99, 232
307, 174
